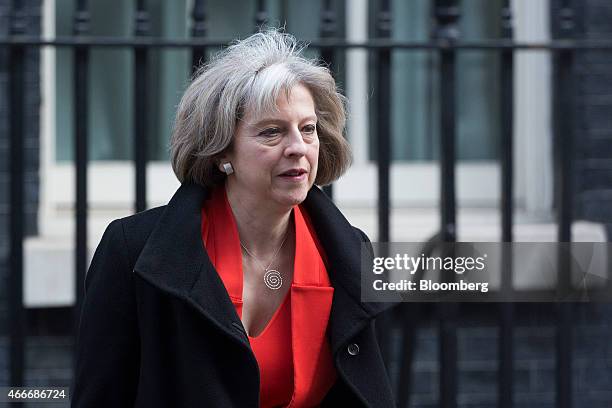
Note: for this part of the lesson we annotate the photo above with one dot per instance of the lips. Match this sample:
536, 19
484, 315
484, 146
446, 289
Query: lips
293, 173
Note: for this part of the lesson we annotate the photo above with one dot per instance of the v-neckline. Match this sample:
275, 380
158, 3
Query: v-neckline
273, 318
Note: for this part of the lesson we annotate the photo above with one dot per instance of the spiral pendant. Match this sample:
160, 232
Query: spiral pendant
273, 279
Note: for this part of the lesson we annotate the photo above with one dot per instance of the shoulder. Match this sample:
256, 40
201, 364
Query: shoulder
135, 229
320, 206
362, 235
142, 223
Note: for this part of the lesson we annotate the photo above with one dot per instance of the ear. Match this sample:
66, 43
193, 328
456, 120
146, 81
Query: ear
223, 157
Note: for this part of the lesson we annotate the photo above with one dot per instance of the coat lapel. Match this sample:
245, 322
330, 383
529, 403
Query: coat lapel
174, 260
342, 245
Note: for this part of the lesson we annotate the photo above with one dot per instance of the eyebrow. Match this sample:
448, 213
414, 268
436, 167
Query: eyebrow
268, 120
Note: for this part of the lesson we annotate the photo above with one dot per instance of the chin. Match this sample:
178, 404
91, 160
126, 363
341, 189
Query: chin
293, 198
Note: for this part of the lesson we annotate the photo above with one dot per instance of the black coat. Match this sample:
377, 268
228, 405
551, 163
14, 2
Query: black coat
158, 328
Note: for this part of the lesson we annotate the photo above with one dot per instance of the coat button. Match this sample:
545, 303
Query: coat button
353, 349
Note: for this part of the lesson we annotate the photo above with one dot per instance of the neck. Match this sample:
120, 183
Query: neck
261, 227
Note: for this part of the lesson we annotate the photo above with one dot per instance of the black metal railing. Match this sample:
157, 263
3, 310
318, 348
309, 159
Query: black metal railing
563, 97
445, 41
81, 137
17, 126
506, 310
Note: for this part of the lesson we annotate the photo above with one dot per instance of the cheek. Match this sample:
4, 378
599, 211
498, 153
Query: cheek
314, 154
313, 159
254, 161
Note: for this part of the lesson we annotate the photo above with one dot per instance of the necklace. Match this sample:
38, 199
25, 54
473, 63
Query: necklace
272, 277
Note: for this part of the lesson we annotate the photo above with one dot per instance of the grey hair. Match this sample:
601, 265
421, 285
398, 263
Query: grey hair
251, 73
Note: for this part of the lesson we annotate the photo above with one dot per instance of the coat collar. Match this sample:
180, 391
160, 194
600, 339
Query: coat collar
175, 261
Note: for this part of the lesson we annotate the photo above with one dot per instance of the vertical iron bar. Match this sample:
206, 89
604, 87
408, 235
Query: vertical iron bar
198, 30
16, 84
261, 15
284, 14
328, 29
507, 125
506, 318
383, 137
383, 84
140, 107
81, 27
565, 123
447, 16
564, 92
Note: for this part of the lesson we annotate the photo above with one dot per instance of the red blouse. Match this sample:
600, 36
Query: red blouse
293, 354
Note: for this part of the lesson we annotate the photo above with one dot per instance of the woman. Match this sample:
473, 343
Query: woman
245, 289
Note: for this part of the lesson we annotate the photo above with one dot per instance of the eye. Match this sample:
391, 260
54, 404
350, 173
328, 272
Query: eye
309, 129
270, 132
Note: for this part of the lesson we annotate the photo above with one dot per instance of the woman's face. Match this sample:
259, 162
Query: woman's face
275, 156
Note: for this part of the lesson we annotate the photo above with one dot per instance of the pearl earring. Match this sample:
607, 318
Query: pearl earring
227, 167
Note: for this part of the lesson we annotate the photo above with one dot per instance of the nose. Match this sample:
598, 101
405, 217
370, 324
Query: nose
295, 144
